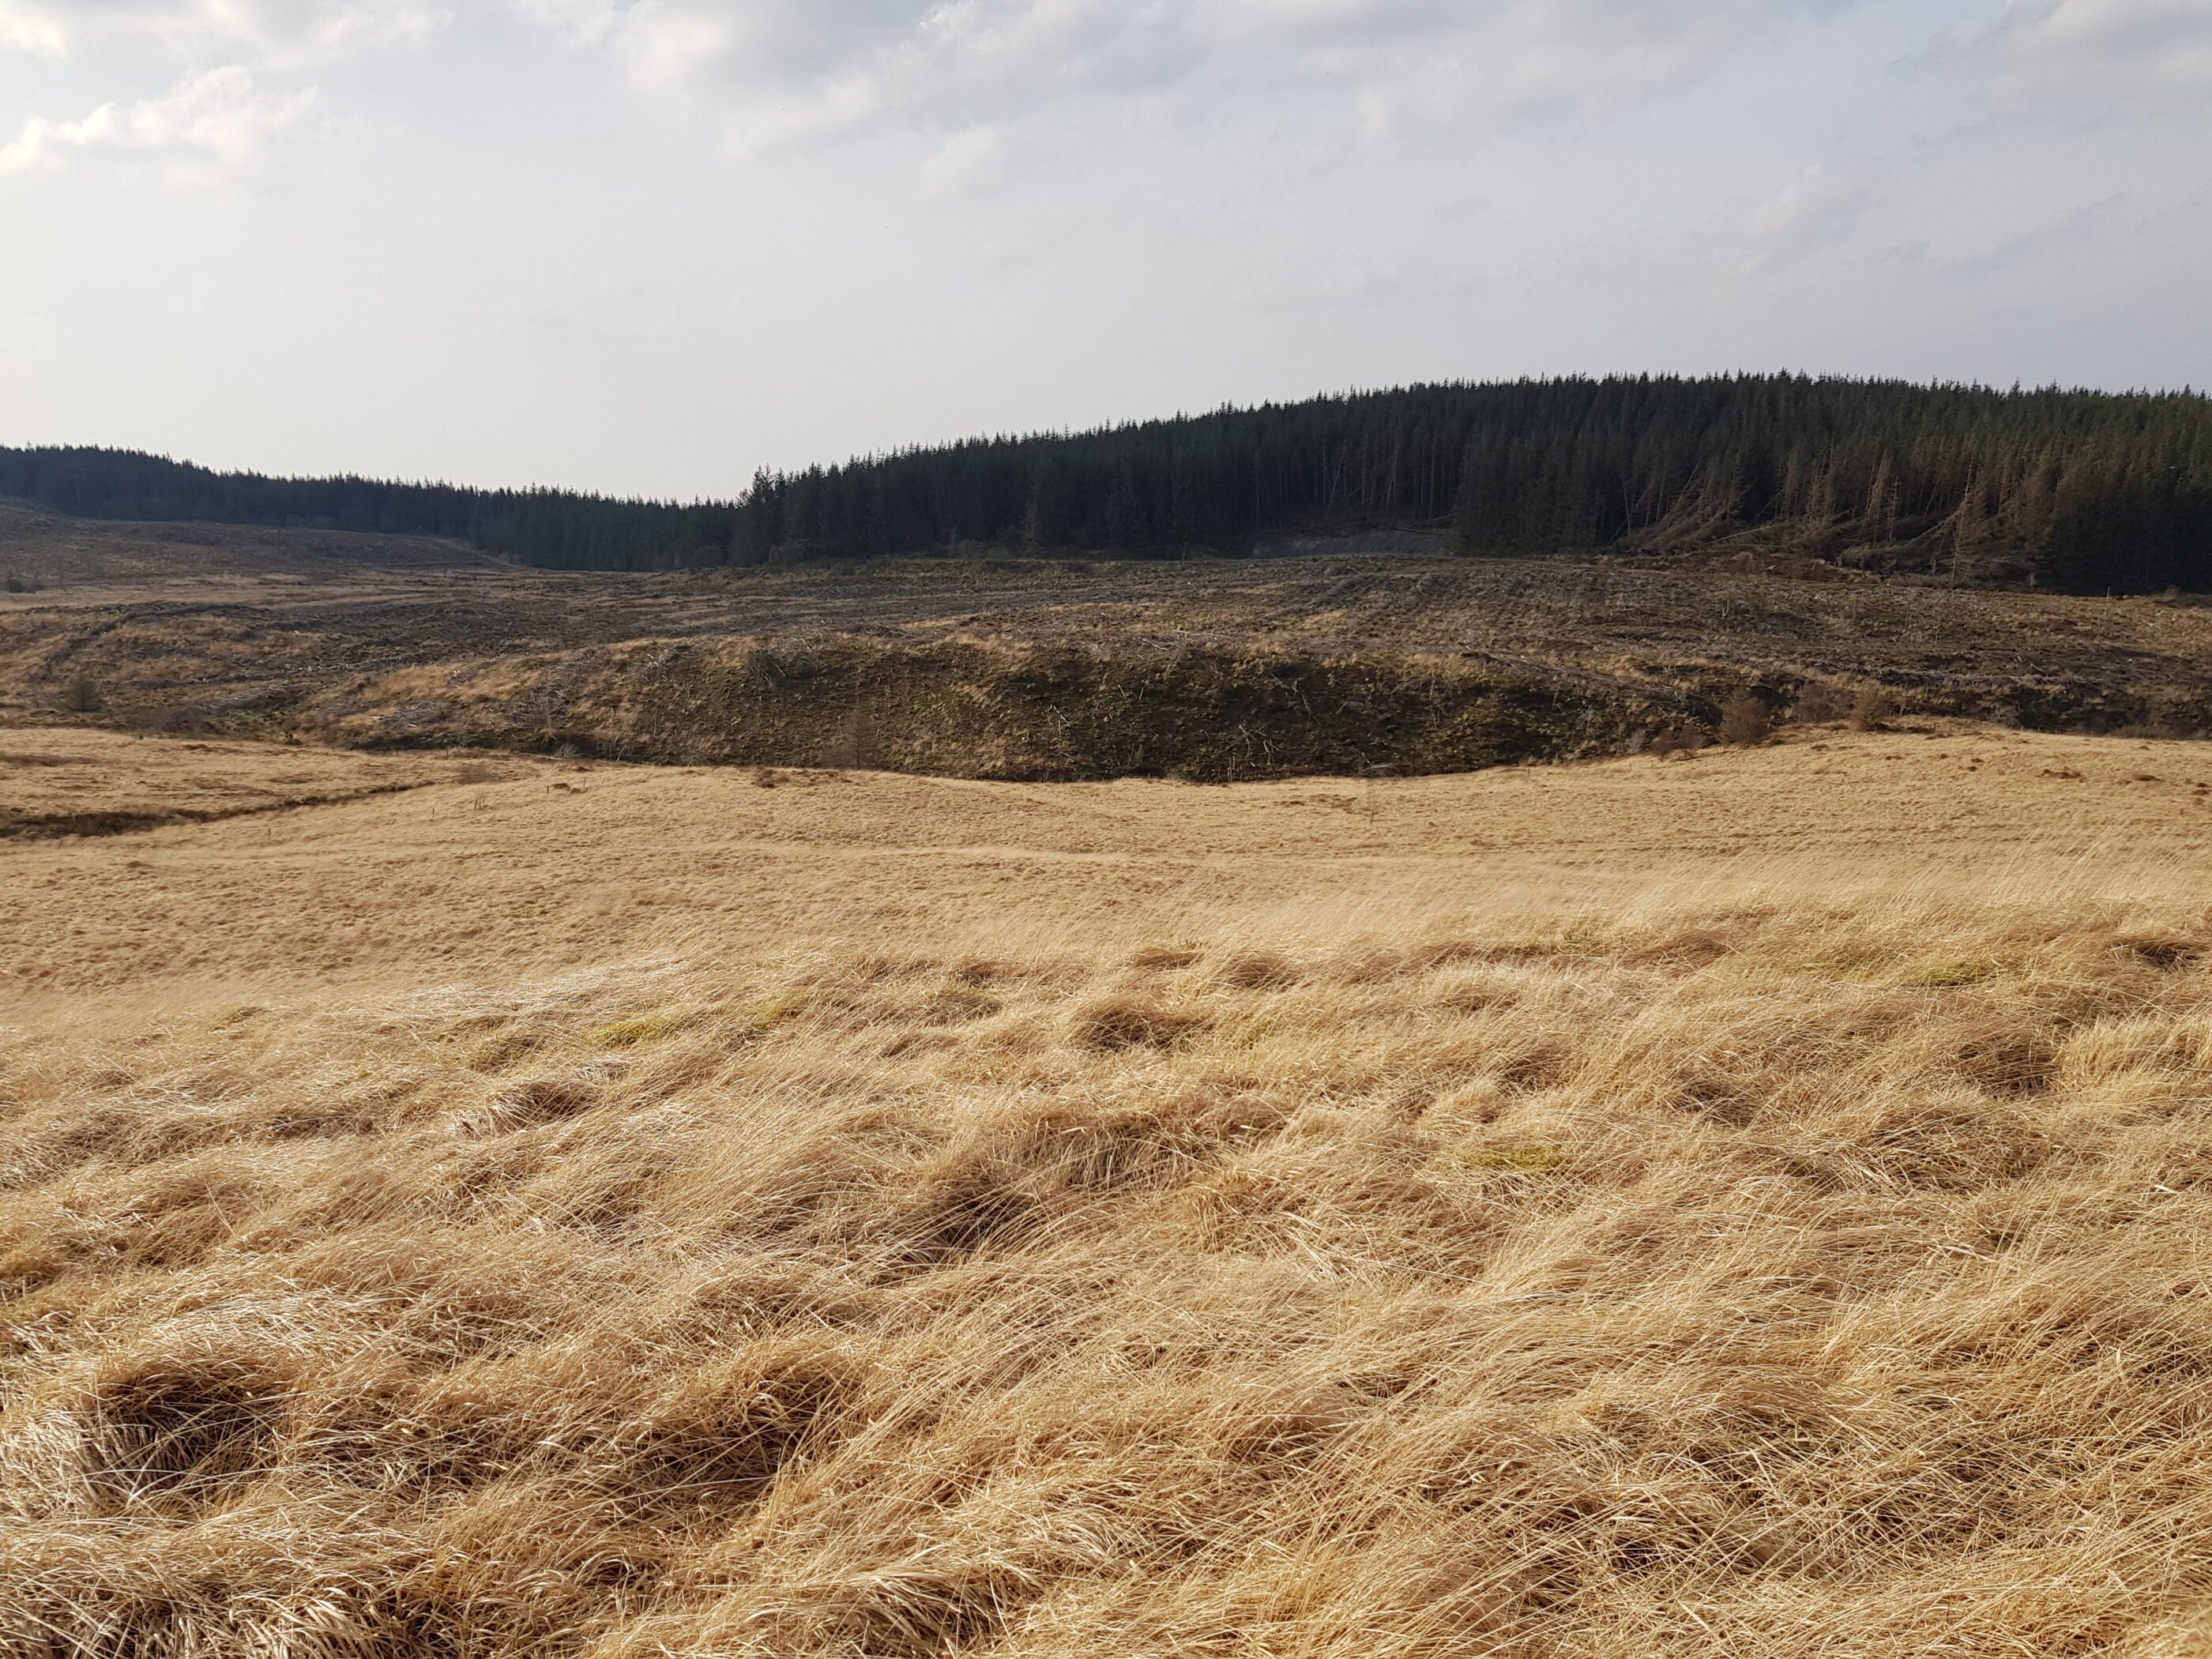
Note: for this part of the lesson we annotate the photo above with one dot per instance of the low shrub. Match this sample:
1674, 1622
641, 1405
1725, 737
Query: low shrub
1745, 721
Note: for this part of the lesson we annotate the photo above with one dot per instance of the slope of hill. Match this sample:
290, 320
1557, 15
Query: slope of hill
1753, 1204
74, 559
1043, 668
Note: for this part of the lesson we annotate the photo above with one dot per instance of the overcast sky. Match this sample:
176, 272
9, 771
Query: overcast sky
649, 245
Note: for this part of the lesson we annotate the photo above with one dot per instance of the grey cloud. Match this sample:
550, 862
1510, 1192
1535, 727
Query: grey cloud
797, 69
264, 33
2091, 49
1508, 64
1815, 213
792, 72
221, 113
2090, 224
781, 72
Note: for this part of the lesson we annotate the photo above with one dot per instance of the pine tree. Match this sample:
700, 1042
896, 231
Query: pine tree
2071, 488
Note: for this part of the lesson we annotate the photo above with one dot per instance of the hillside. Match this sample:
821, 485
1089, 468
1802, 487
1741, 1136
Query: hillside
74, 560
1039, 668
2079, 491
1751, 1204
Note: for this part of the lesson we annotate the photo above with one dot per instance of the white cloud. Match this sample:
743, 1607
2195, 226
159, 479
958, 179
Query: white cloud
586, 22
794, 73
2091, 225
2093, 48
22, 29
1520, 61
265, 34
211, 123
794, 70
217, 117
966, 163
1811, 215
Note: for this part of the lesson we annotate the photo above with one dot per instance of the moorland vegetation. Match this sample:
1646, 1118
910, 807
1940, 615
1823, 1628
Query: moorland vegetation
1043, 668
1755, 1203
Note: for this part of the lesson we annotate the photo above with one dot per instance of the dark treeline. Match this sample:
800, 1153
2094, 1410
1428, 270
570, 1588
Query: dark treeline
2070, 490
553, 528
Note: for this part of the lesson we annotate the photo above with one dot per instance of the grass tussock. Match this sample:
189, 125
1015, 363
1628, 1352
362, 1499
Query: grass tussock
1738, 1267
1637, 1287
1114, 1024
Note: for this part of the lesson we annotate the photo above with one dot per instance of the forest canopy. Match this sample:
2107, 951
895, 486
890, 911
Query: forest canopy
2071, 489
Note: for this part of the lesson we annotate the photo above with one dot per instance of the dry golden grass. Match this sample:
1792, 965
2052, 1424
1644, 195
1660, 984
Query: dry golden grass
59, 780
1750, 1205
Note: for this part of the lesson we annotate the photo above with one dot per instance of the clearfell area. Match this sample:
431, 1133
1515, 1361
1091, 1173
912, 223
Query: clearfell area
1758, 1203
